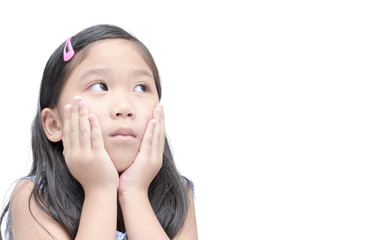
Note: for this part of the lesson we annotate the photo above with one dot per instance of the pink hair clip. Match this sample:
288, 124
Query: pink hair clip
68, 51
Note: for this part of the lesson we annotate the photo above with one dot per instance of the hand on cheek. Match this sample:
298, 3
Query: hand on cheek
148, 161
84, 150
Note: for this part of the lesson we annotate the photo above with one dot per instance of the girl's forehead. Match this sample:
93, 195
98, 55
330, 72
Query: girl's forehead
108, 58
109, 53
106, 48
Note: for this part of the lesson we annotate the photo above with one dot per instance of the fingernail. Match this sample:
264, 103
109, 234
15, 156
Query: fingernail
77, 99
153, 122
158, 111
92, 117
68, 108
82, 105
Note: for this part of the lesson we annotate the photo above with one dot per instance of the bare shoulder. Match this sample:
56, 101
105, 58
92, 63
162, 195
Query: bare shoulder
189, 230
28, 220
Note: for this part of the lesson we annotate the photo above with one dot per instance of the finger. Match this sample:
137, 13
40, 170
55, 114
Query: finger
96, 133
163, 132
74, 124
156, 141
66, 126
146, 143
84, 124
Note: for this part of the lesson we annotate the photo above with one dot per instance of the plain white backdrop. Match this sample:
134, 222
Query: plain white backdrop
264, 102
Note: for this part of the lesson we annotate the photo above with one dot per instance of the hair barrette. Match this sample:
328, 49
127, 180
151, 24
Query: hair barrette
68, 51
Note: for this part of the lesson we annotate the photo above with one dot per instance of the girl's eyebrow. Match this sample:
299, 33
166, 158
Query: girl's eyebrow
97, 71
142, 72
104, 71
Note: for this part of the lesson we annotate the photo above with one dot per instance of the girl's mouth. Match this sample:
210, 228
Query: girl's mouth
124, 134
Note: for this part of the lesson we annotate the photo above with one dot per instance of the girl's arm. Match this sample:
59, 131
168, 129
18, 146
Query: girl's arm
91, 165
139, 218
141, 221
190, 229
29, 222
99, 215
25, 213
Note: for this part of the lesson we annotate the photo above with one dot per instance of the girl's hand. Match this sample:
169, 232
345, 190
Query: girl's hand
84, 150
138, 176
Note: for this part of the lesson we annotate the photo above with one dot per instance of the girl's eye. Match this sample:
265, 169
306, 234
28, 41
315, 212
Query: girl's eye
140, 88
99, 87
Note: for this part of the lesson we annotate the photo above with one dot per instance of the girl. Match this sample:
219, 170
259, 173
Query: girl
101, 164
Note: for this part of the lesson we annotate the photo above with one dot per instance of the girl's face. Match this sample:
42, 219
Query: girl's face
120, 90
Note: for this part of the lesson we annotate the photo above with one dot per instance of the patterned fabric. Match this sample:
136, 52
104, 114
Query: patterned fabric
121, 236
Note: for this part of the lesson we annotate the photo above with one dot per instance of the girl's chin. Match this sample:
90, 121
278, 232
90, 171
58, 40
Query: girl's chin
122, 158
122, 164
121, 169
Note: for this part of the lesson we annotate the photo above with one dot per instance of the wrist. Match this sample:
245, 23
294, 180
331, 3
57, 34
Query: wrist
128, 190
101, 192
126, 197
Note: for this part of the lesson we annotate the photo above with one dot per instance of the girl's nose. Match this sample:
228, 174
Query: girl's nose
122, 111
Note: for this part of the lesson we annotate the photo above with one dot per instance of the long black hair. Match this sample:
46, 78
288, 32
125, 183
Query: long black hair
56, 191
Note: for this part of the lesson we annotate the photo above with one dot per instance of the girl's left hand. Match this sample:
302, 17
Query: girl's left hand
138, 176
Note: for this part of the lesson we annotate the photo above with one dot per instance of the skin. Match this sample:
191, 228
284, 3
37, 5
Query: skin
117, 65
112, 88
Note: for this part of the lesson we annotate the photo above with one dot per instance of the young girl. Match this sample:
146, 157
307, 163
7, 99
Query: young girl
102, 168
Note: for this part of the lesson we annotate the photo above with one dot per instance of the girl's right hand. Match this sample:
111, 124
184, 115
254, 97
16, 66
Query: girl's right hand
84, 151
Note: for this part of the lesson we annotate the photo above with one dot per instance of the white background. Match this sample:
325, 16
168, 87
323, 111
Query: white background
264, 103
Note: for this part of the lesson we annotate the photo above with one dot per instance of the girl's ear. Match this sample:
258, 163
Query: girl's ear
51, 124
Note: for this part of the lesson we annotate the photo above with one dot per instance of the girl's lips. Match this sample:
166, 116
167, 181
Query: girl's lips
124, 134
